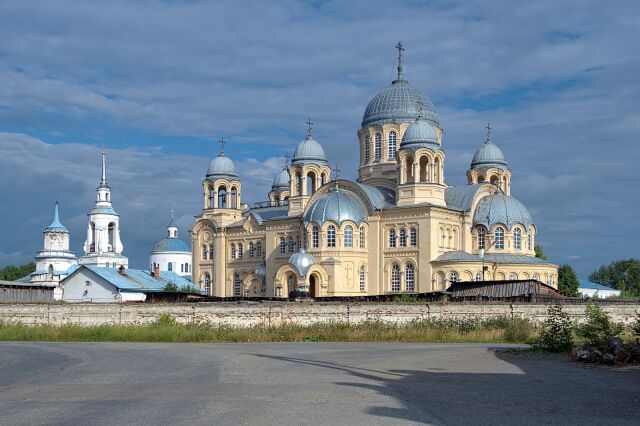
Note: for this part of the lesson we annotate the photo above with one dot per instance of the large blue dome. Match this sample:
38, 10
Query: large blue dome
398, 103
336, 206
309, 151
420, 134
171, 245
222, 167
489, 155
501, 209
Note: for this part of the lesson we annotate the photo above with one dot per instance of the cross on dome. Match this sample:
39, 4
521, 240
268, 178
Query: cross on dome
336, 170
401, 49
488, 132
222, 142
309, 126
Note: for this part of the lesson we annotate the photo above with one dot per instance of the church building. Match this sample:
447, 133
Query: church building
399, 228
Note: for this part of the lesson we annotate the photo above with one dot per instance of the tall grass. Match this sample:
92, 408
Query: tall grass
165, 329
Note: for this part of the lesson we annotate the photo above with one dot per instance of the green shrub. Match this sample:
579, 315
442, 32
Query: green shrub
165, 320
170, 287
635, 326
406, 298
557, 331
598, 328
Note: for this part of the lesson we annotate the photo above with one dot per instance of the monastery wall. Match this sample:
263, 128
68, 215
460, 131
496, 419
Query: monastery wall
276, 313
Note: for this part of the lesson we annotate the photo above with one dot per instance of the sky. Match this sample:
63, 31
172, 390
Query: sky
157, 83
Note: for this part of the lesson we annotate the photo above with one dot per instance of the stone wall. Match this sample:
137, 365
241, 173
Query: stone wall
248, 314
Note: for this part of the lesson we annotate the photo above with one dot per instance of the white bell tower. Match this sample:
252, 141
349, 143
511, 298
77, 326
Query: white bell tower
103, 246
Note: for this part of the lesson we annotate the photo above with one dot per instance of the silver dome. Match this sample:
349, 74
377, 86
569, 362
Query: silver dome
489, 155
398, 103
420, 134
261, 271
309, 151
281, 181
222, 166
501, 209
302, 261
336, 206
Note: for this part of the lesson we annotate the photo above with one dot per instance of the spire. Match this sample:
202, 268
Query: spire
103, 181
400, 48
56, 220
172, 229
309, 127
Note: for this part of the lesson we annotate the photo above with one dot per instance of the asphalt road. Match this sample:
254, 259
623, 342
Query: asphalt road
314, 383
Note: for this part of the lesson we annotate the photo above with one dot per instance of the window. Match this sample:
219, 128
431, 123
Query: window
182, 267
517, 238
210, 251
481, 238
259, 249
367, 149
529, 241
392, 238
453, 277
240, 250
207, 283
315, 236
363, 235
378, 147
499, 237
252, 250
410, 278
283, 245
186, 267
513, 276
413, 237
403, 237
170, 267
348, 236
233, 250
478, 276
536, 277
363, 278
331, 236
237, 285
222, 197
395, 278
204, 252
392, 144
292, 245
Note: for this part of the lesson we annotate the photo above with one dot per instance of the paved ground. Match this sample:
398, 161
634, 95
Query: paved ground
114, 383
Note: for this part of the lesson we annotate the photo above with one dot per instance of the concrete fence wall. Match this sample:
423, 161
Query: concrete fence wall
285, 313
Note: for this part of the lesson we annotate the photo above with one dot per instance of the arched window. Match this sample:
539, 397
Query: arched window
363, 236
233, 199
212, 197
363, 278
207, 283
259, 249
222, 197
292, 245
529, 244
409, 278
283, 245
237, 285
378, 147
478, 276
413, 237
367, 149
403, 237
348, 236
499, 237
536, 277
252, 250
395, 278
392, 238
315, 236
517, 238
240, 250
233, 250
513, 276
481, 238
331, 236
453, 277
170, 267
210, 251
204, 252
392, 144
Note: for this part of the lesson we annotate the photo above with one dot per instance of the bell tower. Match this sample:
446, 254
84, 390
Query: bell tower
222, 189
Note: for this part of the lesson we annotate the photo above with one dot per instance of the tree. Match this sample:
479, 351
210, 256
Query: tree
567, 281
557, 331
12, 272
623, 275
539, 253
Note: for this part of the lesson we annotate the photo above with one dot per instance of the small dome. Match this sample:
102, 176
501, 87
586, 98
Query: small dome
171, 245
302, 261
489, 155
420, 134
261, 271
501, 209
398, 103
309, 151
281, 181
222, 166
336, 206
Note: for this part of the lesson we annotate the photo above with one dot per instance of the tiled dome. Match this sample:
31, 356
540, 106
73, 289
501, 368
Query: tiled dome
420, 134
221, 167
398, 103
501, 209
336, 206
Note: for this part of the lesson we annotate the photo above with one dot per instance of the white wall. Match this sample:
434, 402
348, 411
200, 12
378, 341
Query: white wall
178, 259
85, 286
600, 294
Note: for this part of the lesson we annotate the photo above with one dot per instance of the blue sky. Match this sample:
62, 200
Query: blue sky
157, 83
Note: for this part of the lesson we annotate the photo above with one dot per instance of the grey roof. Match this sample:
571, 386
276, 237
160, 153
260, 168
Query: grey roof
103, 210
337, 206
222, 167
379, 196
302, 261
499, 208
461, 197
55, 224
282, 180
489, 155
309, 151
398, 103
420, 134
500, 258
267, 213
171, 245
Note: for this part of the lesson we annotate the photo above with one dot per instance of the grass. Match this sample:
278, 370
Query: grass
165, 329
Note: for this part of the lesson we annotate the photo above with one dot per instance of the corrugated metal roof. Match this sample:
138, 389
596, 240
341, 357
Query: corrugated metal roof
585, 284
137, 280
501, 289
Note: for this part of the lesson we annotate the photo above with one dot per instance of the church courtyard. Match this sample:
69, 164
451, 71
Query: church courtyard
312, 383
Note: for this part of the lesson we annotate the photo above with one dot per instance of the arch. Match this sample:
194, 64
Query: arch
466, 276
454, 277
409, 277
408, 169
237, 285
331, 236
315, 236
395, 277
536, 277
348, 236
377, 147
314, 283
500, 276
513, 276
170, 266
311, 182
111, 229
222, 197
393, 137
499, 237
478, 276
424, 166
437, 172
233, 199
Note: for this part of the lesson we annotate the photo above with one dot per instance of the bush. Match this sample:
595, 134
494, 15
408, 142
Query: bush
165, 320
598, 328
635, 326
170, 287
557, 331
406, 298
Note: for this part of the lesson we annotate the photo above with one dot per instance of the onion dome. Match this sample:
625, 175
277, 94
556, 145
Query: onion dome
336, 206
489, 155
420, 134
501, 209
309, 151
222, 167
56, 225
302, 261
282, 180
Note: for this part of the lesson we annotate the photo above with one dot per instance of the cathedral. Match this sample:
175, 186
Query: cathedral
399, 228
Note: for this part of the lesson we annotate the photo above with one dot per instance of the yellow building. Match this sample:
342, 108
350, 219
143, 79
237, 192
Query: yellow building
398, 229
